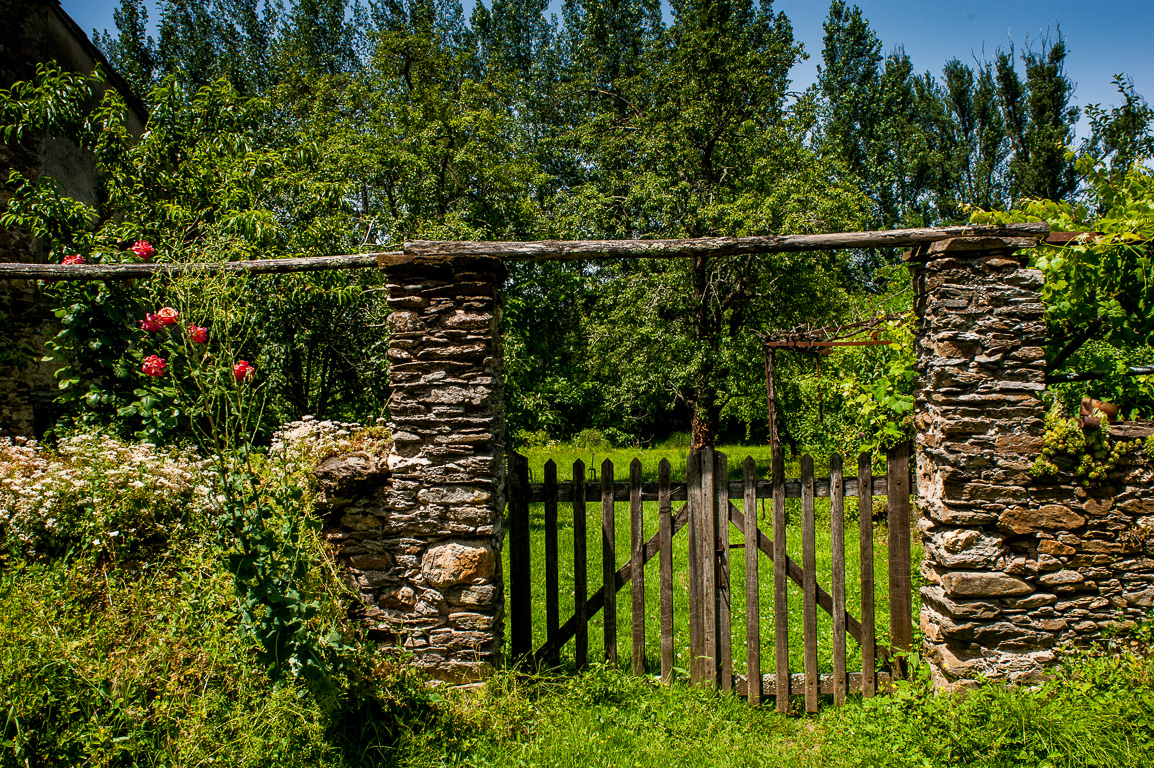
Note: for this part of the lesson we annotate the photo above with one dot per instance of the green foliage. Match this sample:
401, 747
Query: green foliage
211, 180
1100, 288
1134, 395
1066, 441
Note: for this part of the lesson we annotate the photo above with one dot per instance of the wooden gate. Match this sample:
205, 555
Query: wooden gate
707, 507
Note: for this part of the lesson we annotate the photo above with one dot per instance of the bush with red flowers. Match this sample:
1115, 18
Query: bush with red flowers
143, 250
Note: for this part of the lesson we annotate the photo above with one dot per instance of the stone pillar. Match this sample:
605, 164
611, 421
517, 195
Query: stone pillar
424, 545
979, 421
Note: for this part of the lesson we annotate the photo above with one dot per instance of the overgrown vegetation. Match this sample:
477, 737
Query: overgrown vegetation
116, 657
168, 605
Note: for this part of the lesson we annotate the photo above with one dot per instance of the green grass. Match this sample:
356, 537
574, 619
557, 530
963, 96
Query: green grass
650, 459
1097, 712
144, 662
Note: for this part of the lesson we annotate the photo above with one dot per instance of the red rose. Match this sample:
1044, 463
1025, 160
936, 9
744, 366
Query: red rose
74, 258
198, 333
151, 323
243, 371
143, 250
154, 366
167, 316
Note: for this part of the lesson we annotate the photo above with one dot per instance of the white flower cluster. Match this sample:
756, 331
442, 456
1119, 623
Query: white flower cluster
305, 443
96, 491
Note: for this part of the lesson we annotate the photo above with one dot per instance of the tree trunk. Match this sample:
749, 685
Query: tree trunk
705, 409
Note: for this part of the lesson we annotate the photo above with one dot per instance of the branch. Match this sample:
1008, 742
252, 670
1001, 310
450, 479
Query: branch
1134, 370
1075, 343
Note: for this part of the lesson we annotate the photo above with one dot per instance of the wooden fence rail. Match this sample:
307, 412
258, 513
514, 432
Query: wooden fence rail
705, 514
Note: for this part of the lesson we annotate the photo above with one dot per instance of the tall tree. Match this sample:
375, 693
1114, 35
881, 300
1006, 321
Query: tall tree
977, 138
132, 52
1039, 121
189, 46
1123, 134
849, 81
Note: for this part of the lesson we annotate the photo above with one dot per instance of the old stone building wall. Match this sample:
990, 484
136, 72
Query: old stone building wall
38, 31
1016, 566
421, 532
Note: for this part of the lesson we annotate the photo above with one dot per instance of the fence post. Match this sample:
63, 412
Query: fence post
665, 546
609, 562
780, 589
552, 582
901, 581
693, 466
520, 594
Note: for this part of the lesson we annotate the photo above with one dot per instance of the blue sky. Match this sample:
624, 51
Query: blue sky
1103, 38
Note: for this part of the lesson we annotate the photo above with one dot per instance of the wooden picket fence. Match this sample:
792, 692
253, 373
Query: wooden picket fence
707, 493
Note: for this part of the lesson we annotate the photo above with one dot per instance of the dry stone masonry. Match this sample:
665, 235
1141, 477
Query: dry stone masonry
1016, 567
421, 535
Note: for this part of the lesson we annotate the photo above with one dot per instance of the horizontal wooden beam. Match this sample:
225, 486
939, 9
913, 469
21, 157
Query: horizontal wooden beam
807, 344
552, 250
82, 272
797, 683
677, 490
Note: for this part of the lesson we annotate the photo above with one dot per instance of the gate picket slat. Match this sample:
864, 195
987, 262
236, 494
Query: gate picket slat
580, 574
665, 548
837, 588
707, 553
552, 580
898, 517
780, 586
724, 594
637, 560
609, 561
866, 553
809, 588
752, 597
520, 597
693, 571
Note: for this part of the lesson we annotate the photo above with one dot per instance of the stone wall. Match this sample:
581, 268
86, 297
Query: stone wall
1016, 567
421, 532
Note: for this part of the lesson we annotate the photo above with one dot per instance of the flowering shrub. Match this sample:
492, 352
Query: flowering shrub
197, 334
153, 366
143, 250
96, 494
74, 258
243, 371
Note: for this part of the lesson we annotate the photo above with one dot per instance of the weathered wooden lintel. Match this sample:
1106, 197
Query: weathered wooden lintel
82, 272
1013, 235
1021, 235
